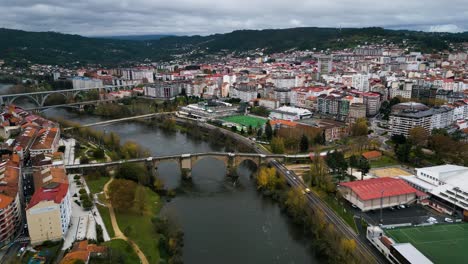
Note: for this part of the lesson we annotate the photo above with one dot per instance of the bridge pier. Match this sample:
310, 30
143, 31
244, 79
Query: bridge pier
186, 167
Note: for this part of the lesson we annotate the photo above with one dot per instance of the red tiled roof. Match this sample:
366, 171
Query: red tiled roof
45, 194
372, 154
372, 188
283, 122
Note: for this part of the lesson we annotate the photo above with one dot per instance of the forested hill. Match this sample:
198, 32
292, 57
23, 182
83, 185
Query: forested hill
57, 48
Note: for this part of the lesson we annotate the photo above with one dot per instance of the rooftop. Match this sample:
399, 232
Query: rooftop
380, 187
53, 192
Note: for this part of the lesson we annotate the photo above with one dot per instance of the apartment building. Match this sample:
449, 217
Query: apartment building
46, 142
10, 201
49, 213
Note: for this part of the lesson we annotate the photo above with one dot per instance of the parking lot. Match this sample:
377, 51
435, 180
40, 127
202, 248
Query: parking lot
414, 214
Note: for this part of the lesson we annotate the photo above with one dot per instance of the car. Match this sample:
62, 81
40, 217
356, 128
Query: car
402, 206
448, 220
294, 178
307, 190
353, 205
288, 172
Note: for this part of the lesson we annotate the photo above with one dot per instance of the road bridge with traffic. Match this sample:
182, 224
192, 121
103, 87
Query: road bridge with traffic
40, 98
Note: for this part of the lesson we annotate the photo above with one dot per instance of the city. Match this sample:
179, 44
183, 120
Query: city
351, 147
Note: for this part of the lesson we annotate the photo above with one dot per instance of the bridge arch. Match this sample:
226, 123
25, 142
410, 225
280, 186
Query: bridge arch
196, 159
31, 99
44, 99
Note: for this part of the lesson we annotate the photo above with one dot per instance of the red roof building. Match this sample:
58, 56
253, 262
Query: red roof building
381, 192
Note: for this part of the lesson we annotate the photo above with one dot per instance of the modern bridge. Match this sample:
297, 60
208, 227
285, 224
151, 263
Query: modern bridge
39, 98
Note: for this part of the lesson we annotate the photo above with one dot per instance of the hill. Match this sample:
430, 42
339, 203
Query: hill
56, 48
136, 37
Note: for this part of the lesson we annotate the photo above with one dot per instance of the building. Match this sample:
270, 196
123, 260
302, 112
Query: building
379, 193
268, 103
46, 142
372, 102
447, 185
402, 121
49, 213
442, 117
139, 75
83, 251
85, 82
398, 253
325, 64
333, 104
163, 90
10, 200
361, 82
356, 111
290, 113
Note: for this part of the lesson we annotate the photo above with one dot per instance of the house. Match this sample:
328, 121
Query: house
372, 155
83, 251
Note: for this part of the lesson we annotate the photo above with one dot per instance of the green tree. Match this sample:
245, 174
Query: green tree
277, 145
268, 130
304, 145
296, 202
260, 132
359, 128
363, 167
402, 152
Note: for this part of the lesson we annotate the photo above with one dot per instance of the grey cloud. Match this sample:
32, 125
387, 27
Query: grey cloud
130, 17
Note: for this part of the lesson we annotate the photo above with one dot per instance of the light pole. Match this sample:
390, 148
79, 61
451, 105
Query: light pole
381, 205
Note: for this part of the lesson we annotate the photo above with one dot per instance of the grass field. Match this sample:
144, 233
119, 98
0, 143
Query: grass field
105, 215
440, 243
96, 185
245, 120
139, 227
383, 162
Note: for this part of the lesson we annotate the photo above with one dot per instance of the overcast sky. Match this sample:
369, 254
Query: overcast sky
189, 17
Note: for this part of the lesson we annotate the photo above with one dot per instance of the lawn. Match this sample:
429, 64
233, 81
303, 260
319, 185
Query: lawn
384, 161
246, 121
445, 243
139, 227
119, 245
97, 185
105, 215
338, 208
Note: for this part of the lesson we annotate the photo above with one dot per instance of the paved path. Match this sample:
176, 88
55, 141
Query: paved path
118, 233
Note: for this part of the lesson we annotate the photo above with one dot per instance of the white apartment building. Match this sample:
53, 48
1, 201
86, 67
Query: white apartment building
85, 83
361, 82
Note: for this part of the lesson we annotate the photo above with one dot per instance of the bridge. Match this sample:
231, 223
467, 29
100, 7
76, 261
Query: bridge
39, 98
107, 122
187, 161
76, 105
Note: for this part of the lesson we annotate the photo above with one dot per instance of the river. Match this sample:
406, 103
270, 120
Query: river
5, 88
223, 222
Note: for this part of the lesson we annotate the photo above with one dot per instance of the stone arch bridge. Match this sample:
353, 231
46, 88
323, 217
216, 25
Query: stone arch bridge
187, 161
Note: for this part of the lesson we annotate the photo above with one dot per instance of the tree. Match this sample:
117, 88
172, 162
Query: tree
268, 130
353, 162
359, 128
402, 151
418, 136
122, 194
304, 145
131, 171
296, 202
250, 130
259, 132
277, 145
363, 167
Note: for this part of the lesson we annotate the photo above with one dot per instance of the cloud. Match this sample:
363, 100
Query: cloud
131, 17
446, 28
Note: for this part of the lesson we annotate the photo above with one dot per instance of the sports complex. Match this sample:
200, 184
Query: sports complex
245, 121
445, 243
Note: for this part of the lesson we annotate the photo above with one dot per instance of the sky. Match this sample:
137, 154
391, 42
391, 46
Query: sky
204, 17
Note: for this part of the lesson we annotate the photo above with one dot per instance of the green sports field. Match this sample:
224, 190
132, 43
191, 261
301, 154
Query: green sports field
440, 243
255, 122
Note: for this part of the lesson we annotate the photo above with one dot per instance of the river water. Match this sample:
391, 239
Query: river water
223, 222
5, 88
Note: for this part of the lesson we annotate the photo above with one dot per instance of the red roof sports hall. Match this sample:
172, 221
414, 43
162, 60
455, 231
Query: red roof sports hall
381, 192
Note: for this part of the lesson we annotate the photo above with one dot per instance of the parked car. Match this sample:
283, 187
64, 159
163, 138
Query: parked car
307, 190
448, 220
402, 206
